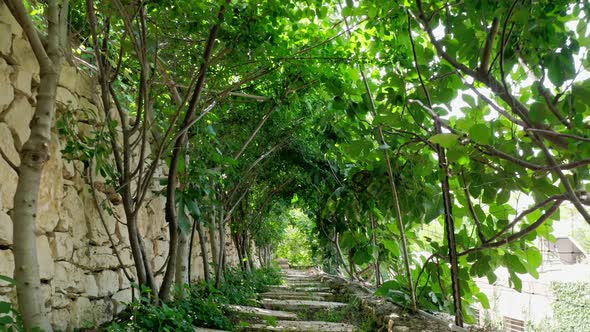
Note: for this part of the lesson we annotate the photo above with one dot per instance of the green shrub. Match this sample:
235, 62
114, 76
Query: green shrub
202, 304
571, 305
10, 319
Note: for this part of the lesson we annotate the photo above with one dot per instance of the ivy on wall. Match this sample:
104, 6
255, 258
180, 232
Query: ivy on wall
571, 305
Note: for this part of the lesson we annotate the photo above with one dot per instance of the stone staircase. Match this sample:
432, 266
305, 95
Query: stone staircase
279, 307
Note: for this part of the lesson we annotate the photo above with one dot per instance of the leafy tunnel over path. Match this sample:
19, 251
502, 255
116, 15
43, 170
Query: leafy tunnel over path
398, 136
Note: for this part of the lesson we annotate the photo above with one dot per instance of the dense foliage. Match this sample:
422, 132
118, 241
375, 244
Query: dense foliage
430, 142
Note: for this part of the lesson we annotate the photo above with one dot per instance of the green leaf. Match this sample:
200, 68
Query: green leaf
514, 264
346, 240
560, 66
193, 208
392, 246
445, 140
539, 112
483, 299
503, 196
387, 286
516, 281
362, 256
534, 257
7, 279
480, 133
6, 320
183, 221
5, 307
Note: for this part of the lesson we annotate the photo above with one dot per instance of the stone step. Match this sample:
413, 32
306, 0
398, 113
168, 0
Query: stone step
303, 289
262, 313
296, 305
301, 280
297, 296
204, 329
305, 283
302, 326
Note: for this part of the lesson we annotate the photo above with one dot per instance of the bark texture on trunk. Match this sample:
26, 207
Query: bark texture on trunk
182, 258
33, 155
204, 254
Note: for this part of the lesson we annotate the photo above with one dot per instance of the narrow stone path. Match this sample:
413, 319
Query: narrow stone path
302, 292
279, 307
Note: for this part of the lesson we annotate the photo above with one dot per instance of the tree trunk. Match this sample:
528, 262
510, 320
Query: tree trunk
213, 242
339, 252
236, 239
352, 271
221, 258
33, 155
204, 255
136, 251
374, 240
247, 253
182, 258
249, 256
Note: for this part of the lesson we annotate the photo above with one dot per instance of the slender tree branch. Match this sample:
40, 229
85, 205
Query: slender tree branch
484, 66
471, 209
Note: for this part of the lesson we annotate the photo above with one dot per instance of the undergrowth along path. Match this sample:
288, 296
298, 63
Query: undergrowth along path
292, 307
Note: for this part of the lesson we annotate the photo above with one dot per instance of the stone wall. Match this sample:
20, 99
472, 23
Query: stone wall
82, 280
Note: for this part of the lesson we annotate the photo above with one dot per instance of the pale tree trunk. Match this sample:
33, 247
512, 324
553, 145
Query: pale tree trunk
33, 155
182, 259
249, 255
213, 242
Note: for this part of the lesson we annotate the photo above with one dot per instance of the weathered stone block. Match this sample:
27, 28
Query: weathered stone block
8, 182
68, 77
7, 144
22, 81
46, 264
24, 56
124, 283
5, 229
121, 233
59, 300
7, 18
80, 311
158, 262
68, 278
68, 170
161, 247
90, 286
94, 258
46, 291
126, 256
120, 300
107, 282
60, 319
6, 263
18, 117
102, 311
72, 216
62, 246
65, 99
6, 89
96, 230
88, 112
6, 40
